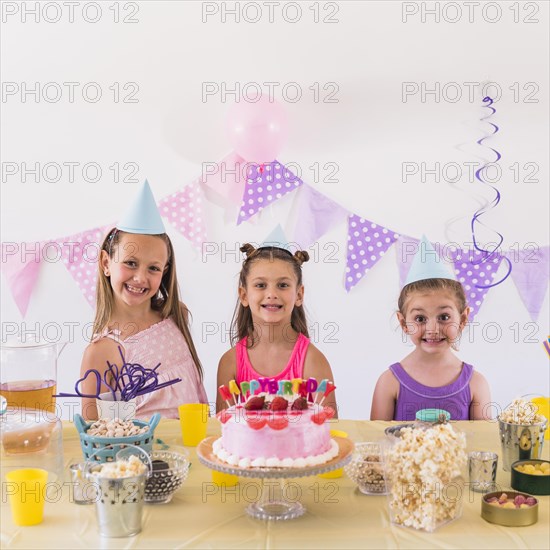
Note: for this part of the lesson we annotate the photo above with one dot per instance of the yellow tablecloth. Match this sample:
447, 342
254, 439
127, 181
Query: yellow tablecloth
338, 516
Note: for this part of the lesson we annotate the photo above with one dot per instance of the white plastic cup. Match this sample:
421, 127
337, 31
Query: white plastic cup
107, 407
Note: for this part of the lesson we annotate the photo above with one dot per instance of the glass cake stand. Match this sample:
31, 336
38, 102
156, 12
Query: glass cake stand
273, 504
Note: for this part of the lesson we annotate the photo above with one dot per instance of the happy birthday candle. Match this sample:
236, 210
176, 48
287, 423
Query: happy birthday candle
254, 385
330, 388
296, 385
287, 389
264, 384
234, 389
273, 386
322, 386
311, 385
225, 394
245, 388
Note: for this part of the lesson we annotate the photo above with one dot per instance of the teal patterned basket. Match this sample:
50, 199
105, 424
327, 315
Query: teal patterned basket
104, 449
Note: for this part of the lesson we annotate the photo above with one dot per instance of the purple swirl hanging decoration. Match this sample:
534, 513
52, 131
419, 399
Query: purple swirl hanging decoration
488, 254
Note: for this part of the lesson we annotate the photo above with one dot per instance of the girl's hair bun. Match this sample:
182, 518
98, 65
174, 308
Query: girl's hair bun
247, 249
301, 256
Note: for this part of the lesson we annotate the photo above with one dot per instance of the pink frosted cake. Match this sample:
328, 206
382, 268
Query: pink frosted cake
275, 433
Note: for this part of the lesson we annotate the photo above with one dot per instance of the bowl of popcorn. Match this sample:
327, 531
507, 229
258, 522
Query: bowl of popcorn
531, 476
510, 508
423, 473
521, 432
169, 471
102, 439
366, 468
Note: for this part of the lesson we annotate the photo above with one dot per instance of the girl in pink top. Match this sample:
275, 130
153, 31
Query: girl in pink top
269, 324
138, 309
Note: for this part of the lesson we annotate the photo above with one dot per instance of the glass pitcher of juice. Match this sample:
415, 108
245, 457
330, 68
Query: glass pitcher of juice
28, 373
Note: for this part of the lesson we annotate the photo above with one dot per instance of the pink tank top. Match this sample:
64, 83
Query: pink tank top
163, 343
294, 368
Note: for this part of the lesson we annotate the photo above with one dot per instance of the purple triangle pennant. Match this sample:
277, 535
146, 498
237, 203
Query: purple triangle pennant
264, 185
474, 274
367, 243
531, 269
316, 215
405, 250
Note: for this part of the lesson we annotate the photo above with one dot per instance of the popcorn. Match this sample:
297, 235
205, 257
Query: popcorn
521, 412
122, 468
422, 466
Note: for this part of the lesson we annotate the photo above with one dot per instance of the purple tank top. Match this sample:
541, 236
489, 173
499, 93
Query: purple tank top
413, 396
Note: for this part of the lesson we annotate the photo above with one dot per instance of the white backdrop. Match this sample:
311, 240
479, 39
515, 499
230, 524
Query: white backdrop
376, 61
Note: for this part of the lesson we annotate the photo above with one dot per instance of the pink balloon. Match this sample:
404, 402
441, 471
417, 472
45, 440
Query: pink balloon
257, 131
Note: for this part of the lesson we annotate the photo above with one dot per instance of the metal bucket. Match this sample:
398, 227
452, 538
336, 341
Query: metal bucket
119, 505
119, 502
520, 442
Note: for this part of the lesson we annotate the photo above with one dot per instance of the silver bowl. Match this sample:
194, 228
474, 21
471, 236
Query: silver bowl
165, 480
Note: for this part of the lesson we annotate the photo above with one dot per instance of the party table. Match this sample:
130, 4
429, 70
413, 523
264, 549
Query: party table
203, 515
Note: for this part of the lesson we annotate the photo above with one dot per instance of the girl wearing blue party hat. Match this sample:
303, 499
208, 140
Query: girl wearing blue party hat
432, 312
138, 313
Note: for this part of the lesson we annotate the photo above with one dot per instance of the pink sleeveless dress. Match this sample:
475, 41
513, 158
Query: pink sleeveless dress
294, 368
162, 343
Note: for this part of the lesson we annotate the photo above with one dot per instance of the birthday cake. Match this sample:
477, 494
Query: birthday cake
270, 431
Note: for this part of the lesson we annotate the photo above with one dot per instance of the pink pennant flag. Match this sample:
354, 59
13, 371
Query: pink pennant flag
530, 273
80, 254
20, 266
264, 185
405, 250
316, 215
367, 243
184, 210
472, 273
226, 178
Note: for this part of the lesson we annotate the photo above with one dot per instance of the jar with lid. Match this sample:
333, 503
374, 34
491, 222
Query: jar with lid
427, 418
424, 466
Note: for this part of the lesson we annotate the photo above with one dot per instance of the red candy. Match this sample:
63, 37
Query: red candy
277, 423
319, 417
256, 422
223, 416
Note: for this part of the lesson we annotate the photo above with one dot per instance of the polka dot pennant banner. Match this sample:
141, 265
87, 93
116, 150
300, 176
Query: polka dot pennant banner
265, 185
80, 254
184, 210
367, 243
472, 273
21, 269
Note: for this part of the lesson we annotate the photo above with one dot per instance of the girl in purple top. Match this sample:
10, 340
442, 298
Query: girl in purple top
433, 313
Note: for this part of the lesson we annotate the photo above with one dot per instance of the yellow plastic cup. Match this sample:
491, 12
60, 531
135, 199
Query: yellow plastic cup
339, 472
228, 480
543, 404
193, 420
25, 490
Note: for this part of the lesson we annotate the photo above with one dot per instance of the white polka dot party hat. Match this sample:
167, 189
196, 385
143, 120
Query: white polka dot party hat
143, 216
427, 264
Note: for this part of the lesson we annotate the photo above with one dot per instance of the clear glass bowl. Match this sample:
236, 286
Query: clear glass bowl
170, 470
366, 468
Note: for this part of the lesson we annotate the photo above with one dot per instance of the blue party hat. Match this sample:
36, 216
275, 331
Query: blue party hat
276, 238
427, 264
143, 216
